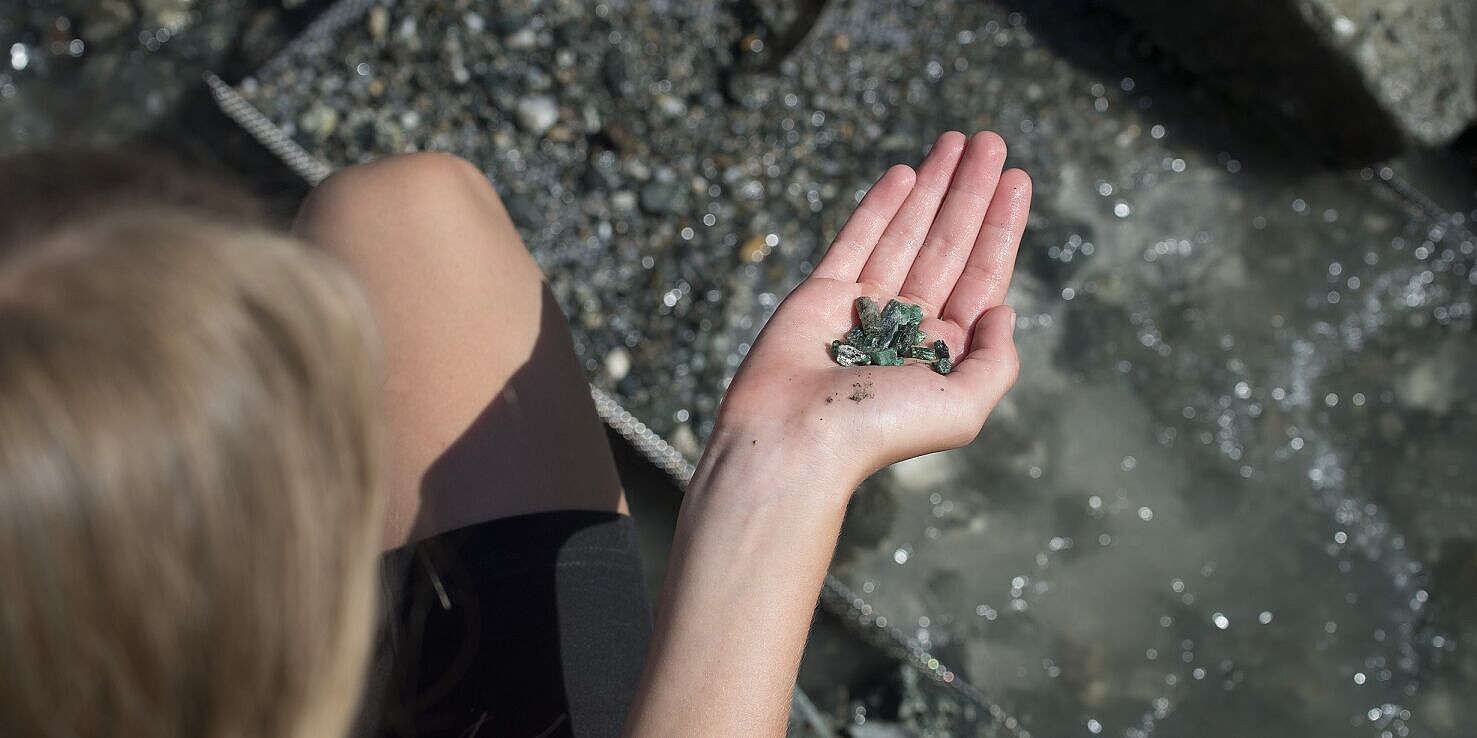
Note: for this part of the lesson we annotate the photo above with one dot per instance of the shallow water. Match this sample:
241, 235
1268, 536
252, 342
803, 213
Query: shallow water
1239, 445
1214, 495
1231, 493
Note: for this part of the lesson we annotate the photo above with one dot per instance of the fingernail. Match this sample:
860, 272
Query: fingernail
1012, 321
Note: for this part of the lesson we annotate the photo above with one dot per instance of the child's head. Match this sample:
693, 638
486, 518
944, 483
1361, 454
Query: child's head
189, 510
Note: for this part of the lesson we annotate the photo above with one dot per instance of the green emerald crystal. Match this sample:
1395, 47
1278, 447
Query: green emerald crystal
888, 335
921, 353
885, 357
869, 317
894, 318
943, 364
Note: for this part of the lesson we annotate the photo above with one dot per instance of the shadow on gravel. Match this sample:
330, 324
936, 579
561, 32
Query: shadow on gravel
1100, 40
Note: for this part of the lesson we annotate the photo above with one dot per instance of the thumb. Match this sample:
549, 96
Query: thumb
991, 366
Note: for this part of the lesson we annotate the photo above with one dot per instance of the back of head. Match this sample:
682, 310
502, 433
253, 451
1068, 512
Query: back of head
189, 511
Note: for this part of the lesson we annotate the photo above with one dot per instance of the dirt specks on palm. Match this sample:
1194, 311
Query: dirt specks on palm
861, 391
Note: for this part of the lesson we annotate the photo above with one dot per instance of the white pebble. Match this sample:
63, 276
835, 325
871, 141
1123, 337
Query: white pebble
537, 113
618, 364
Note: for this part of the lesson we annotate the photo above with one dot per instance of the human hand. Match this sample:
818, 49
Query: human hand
797, 433
944, 238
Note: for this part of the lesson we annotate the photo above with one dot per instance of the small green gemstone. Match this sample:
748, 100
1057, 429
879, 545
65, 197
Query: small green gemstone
923, 353
846, 355
868, 315
894, 318
885, 357
897, 311
942, 349
886, 336
943, 365
907, 337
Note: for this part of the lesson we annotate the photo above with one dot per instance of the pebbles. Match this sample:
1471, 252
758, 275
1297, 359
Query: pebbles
617, 364
537, 114
319, 121
659, 198
378, 20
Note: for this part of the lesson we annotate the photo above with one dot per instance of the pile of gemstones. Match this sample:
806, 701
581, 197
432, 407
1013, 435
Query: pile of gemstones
888, 335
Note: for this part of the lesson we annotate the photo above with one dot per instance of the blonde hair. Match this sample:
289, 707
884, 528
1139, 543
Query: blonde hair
189, 499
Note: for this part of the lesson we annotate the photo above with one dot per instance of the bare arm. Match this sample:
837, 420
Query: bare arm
797, 433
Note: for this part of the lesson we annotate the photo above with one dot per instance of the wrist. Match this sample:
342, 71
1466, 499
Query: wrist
757, 529
775, 461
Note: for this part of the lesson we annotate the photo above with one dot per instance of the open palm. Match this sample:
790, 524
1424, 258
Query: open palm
944, 238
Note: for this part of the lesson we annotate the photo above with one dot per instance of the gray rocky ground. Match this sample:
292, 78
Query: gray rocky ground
1231, 492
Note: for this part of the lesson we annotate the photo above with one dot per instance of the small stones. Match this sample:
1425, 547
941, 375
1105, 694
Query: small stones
885, 357
522, 39
888, 335
618, 364
171, 14
537, 114
869, 316
671, 106
319, 121
623, 201
943, 364
106, 19
756, 248
378, 22
921, 353
899, 327
847, 355
658, 197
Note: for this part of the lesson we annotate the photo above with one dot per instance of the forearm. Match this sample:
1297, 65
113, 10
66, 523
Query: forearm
753, 541
760, 521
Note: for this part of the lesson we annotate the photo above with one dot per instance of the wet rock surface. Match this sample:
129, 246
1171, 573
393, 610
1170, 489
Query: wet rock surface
1372, 75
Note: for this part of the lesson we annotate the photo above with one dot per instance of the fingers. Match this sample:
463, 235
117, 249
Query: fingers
986, 274
849, 252
950, 240
889, 262
991, 366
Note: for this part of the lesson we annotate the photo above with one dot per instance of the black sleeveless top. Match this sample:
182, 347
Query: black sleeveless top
535, 625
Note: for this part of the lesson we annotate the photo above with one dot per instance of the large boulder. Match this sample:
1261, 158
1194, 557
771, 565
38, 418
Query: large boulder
1369, 77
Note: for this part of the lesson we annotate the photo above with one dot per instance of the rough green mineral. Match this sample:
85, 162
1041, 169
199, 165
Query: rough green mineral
870, 318
921, 353
943, 364
886, 336
885, 357
848, 355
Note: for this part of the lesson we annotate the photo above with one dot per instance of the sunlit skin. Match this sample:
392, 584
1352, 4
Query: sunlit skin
762, 513
955, 264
